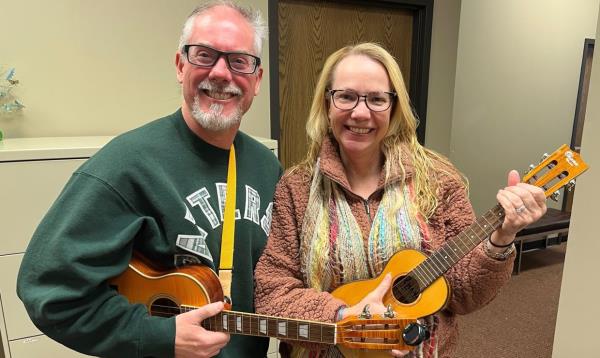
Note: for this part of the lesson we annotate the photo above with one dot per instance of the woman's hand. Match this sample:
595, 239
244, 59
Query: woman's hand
523, 204
374, 299
397, 353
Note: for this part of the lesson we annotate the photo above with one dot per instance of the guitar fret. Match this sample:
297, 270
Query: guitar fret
421, 280
463, 244
433, 258
256, 325
471, 237
429, 274
447, 257
483, 228
292, 329
443, 256
452, 251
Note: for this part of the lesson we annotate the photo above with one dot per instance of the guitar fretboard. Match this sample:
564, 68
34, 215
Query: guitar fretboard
452, 251
267, 326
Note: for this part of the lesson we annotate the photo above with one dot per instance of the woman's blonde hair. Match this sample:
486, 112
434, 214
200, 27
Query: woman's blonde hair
401, 131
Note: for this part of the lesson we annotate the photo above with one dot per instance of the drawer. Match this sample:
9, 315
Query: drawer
27, 191
40, 346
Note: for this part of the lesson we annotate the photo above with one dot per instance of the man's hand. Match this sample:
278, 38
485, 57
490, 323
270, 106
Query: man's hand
192, 340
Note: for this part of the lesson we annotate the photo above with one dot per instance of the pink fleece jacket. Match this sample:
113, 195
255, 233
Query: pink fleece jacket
280, 282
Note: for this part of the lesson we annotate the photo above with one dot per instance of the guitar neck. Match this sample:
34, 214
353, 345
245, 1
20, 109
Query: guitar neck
251, 324
452, 251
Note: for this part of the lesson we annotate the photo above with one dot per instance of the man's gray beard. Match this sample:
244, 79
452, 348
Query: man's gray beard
213, 119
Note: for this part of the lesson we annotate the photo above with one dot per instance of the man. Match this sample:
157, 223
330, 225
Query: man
159, 190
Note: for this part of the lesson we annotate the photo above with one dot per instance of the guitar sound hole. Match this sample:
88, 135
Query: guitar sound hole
406, 289
164, 307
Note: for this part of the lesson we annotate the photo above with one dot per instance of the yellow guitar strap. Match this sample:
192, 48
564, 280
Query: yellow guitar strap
227, 236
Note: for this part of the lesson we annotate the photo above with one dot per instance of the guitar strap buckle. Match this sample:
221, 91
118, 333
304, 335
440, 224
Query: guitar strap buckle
225, 278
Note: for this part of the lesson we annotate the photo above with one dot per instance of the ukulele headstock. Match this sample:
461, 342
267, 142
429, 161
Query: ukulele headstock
555, 171
373, 333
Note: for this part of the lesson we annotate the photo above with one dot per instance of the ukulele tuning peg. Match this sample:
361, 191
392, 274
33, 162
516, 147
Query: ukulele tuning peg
366, 314
544, 157
555, 196
389, 312
530, 168
571, 185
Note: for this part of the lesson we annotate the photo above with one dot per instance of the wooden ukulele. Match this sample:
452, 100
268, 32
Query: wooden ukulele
168, 293
419, 288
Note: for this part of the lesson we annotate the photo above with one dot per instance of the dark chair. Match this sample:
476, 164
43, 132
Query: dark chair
551, 229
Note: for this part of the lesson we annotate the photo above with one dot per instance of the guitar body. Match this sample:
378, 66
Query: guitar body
168, 293
431, 300
193, 286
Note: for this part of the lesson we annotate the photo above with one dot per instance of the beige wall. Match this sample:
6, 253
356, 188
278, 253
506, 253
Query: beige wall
517, 72
100, 67
442, 71
576, 332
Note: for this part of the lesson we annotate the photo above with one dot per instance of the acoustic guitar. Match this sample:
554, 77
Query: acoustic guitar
419, 288
169, 293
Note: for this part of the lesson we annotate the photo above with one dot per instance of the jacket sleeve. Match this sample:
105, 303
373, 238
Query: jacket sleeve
85, 239
280, 289
476, 278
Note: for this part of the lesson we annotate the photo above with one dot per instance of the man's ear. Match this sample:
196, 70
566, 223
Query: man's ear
179, 62
259, 74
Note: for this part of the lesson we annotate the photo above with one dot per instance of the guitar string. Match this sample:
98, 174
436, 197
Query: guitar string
407, 284
495, 216
423, 272
327, 335
325, 330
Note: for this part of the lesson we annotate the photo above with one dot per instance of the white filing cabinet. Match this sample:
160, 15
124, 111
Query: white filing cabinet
32, 173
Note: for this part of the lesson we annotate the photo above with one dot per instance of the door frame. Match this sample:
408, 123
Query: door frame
419, 63
579, 118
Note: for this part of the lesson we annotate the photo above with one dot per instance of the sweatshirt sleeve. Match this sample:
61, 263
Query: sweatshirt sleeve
85, 239
476, 279
280, 289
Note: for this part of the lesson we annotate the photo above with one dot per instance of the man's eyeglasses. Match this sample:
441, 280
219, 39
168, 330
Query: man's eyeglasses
205, 56
348, 99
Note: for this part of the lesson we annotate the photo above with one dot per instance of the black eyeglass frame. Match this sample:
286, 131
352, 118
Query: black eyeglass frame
186, 51
330, 92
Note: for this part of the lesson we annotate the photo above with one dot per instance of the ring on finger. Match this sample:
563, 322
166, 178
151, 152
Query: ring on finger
520, 209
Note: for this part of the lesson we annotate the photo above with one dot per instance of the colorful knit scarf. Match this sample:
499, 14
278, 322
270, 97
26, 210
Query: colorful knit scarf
332, 244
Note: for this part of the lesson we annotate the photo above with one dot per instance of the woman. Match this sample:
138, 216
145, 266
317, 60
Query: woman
367, 189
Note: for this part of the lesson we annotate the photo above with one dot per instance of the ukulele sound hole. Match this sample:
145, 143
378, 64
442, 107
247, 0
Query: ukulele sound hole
406, 289
164, 307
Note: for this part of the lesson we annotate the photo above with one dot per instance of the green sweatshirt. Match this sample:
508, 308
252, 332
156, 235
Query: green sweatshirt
158, 190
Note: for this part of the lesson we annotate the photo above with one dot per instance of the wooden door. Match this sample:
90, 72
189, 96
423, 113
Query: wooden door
308, 32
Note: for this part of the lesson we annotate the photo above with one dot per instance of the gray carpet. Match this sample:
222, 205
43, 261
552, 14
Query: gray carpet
520, 321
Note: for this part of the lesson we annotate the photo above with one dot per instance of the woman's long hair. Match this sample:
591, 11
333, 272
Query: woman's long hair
401, 132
